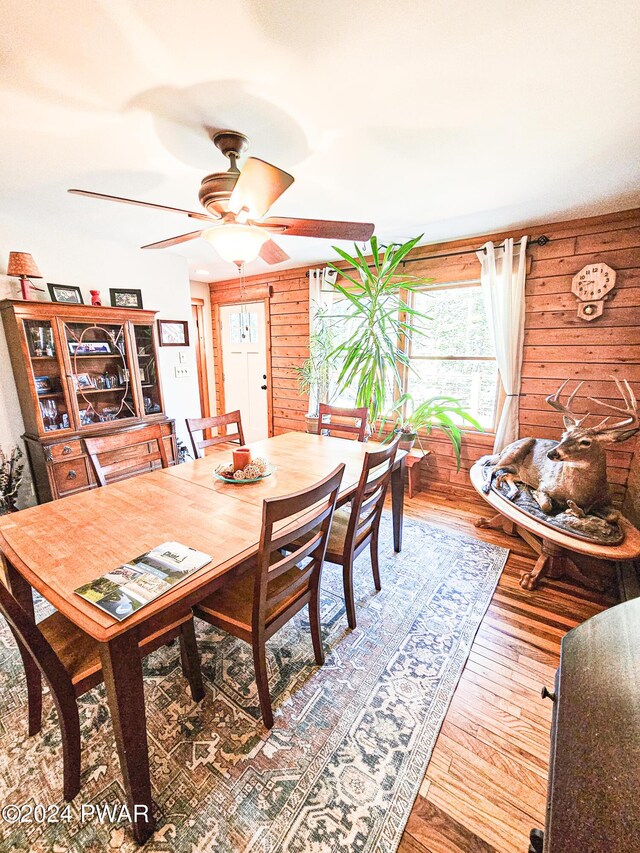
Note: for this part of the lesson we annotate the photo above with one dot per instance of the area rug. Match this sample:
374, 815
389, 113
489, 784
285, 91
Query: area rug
342, 766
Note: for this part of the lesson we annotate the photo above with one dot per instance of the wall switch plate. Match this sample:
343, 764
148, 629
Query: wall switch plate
181, 372
182, 357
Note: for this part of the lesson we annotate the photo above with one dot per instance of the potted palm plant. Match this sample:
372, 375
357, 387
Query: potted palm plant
440, 411
316, 374
377, 323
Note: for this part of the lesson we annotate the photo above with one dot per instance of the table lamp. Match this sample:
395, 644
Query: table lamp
22, 266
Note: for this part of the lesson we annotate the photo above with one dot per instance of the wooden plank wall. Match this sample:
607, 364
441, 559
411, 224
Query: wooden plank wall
558, 345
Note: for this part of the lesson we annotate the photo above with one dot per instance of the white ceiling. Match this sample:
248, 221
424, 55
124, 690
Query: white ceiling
442, 117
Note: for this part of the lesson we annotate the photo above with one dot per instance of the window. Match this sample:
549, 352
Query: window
455, 357
244, 327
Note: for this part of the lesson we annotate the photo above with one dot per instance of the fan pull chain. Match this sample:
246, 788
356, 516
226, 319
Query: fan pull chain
244, 315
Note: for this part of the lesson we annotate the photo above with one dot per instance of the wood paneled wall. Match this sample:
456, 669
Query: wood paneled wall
558, 345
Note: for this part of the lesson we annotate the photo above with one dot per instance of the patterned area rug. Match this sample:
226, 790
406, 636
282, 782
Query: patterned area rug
343, 764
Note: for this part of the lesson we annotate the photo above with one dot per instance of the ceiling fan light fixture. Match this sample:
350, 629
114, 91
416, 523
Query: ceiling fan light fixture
237, 244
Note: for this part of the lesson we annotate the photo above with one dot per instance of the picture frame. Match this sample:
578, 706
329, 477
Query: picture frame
125, 298
65, 293
43, 384
90, 348
82, 381
173, 333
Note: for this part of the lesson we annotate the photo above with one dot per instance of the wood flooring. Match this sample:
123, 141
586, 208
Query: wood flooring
485, 786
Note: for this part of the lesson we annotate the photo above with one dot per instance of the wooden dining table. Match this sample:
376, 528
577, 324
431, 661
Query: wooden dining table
58, 546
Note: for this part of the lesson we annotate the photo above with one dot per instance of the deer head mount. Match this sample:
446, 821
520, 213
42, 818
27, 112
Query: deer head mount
578, 438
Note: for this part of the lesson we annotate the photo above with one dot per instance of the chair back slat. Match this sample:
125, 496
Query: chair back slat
368, 501
334, 420
310, 509
217, 422
127, 453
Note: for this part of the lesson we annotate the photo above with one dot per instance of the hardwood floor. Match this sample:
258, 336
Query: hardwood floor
485, 786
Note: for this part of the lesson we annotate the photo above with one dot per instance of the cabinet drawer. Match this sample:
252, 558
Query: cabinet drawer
64, 450
70, 476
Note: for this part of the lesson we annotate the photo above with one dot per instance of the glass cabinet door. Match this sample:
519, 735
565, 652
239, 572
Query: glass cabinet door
47, 375
100, 371
148, 367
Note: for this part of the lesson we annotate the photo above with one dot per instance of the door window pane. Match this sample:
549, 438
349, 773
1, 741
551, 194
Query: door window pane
148, 369
46, 375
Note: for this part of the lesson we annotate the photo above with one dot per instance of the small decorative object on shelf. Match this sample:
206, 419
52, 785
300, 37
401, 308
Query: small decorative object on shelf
125, 298
95, 297
253, 470
65, 293
173, 333
22, 266
11, 468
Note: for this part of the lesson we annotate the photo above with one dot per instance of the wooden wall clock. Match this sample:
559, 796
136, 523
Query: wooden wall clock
591, 285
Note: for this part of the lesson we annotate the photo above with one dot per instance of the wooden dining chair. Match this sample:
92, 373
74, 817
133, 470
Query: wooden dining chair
342, 425
257, 605
357, 525
125, 454
69, 660
215, 422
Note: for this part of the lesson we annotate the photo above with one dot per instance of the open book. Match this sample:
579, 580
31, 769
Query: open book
127, 588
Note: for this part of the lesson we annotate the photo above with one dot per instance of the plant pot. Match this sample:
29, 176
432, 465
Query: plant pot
407, 440
312, 423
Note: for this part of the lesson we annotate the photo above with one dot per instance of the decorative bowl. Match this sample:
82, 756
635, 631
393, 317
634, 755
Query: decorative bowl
231, 480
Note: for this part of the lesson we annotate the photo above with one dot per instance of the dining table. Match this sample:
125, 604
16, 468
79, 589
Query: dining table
58, 546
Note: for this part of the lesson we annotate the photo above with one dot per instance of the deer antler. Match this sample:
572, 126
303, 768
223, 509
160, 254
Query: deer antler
630, 409
570, 419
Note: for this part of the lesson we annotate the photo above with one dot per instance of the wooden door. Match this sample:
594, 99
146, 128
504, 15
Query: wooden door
244, 364
197, 316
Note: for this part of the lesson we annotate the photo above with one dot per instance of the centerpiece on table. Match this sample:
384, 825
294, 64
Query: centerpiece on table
244, 469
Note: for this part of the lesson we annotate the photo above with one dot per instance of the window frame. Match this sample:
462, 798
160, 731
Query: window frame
406, 340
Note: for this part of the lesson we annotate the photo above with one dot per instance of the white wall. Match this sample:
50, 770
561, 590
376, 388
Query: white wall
90, 264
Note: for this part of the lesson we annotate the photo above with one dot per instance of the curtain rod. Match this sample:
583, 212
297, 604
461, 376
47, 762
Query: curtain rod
538, 241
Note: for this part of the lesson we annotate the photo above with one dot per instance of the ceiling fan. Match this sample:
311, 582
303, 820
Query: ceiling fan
236, 202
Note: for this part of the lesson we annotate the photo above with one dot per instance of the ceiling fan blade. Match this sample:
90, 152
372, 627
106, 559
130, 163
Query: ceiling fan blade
191, 213
173, 241
272, 253
258, 186
326, 228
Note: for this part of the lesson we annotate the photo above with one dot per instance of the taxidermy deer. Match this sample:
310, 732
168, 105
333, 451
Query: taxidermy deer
571, 474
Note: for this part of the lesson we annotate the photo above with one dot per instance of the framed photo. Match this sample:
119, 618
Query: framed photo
173, 333
125, 298
43, 384
65, 293
90, 348
83, 381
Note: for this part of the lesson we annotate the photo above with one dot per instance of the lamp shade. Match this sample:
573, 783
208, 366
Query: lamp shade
22, 264
238, 244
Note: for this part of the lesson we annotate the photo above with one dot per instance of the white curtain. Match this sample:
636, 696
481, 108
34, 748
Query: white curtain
503, 279
320, 298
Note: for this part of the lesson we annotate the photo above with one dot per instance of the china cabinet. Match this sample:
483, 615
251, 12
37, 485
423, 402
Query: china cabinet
80, 370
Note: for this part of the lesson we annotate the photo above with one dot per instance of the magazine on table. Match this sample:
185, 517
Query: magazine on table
129, 587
